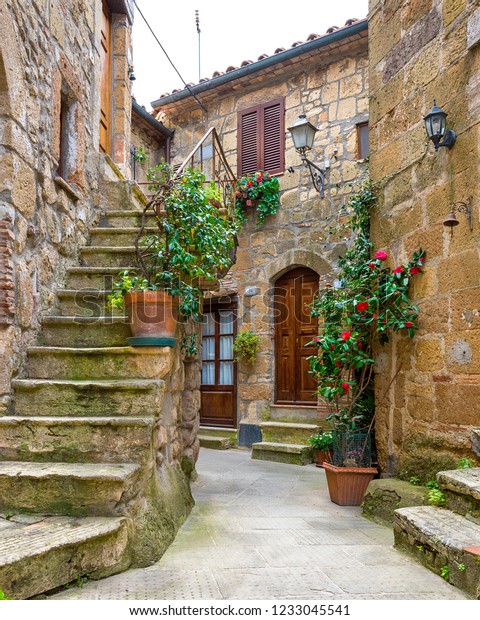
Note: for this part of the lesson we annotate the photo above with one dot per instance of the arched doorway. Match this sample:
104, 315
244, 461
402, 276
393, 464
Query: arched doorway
294, 329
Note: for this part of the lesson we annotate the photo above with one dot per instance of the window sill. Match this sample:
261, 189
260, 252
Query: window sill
60, 182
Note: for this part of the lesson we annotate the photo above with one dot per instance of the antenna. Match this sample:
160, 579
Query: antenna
197, 22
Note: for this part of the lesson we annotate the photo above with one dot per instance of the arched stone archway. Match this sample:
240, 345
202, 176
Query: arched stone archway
296, 258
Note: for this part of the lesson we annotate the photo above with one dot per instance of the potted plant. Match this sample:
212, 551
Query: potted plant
246, 346
192, 243
260, 189
370, 302
322, 444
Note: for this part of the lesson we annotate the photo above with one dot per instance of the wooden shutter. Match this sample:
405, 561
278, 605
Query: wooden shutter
261, 138
249, 144
273, 137
106, 82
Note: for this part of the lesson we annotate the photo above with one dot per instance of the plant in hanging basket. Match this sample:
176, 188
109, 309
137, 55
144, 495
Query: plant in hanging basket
246, 346
261, 190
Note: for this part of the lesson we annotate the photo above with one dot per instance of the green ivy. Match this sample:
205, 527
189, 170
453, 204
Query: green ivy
370, 303
193, 240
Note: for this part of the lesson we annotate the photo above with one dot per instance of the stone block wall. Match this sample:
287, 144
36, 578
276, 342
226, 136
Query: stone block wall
49, 69
333, 93
428, 388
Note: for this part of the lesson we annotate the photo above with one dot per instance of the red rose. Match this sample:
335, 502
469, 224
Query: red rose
375, 316
346, 336
337, 364
421, 259
381, 255
372, 265
332, 347
345, 387
249, 203
360, 345
398, 269
413, 270
408, 324
362, 306
249, 184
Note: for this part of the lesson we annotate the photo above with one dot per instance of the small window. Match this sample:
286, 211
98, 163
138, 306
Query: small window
261, 138
363, 141
67, 160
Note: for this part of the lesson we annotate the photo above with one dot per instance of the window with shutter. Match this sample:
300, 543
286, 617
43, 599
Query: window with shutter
261, 138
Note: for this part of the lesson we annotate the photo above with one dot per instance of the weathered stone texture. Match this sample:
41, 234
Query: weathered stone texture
333, 93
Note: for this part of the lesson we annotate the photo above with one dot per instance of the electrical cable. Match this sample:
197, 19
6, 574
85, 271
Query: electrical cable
168, 58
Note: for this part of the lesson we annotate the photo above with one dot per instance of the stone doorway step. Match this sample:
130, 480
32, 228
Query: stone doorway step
217, 437
447, 540
285, 435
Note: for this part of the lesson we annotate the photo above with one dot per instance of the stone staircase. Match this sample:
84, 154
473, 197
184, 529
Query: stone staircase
447, 540
90, 474
285, 435
218, 438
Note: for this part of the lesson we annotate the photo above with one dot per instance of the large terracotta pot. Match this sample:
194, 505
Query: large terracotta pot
347, 485
152, 315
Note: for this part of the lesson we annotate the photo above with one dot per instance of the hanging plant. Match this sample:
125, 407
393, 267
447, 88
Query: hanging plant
246, 346
260, 189
371, 303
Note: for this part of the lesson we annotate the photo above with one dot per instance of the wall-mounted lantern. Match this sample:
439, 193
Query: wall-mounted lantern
303, 135
436, 127
459, 207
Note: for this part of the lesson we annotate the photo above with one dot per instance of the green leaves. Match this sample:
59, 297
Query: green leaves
261, 188
372, 302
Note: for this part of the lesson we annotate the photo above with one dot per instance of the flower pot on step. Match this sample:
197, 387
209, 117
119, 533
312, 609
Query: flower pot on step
347, 485
321, 457
153, 318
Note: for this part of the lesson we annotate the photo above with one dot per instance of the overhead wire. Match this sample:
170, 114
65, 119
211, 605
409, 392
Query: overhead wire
168, 57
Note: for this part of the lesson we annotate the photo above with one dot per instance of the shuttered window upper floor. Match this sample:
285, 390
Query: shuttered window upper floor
261, 138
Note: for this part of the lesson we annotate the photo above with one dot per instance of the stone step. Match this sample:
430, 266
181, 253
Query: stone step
98, 363
302, 414
288, 432
86, 302
441, 540
462, 491
215, 443
108, 256
220, 431
117, 236
129, 218
475, 436
69, 489
83, 440
282, 453
98, 278
71, 331
53, 551
87, 397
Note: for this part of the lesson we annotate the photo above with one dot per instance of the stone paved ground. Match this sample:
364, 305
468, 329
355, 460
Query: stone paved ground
264, 530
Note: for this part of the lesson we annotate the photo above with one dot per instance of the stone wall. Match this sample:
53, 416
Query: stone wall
333, 94
428, 388
49, 69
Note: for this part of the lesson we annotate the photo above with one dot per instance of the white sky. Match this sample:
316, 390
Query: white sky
230, 33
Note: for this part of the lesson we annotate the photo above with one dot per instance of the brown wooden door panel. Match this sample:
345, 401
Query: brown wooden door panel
294, 329
106, 81
219, 380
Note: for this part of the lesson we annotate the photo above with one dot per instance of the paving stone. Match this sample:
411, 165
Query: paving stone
335, 555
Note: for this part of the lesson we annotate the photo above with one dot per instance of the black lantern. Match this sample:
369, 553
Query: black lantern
436, 127
303, 134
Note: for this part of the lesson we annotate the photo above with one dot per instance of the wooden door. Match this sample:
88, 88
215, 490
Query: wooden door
295, 328
219, 381
106, 82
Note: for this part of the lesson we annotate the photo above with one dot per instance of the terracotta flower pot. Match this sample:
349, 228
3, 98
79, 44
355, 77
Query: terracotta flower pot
347, 485
322, 456
153, 317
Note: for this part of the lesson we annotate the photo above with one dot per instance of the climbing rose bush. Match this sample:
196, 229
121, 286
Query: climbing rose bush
371, 303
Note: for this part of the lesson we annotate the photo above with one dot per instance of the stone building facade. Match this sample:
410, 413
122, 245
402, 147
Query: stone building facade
325, 78
88, 426
428, 388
